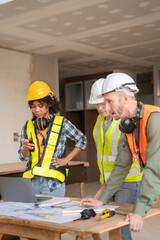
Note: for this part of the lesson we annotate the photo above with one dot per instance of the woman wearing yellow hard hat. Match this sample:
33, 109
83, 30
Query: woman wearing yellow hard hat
43, 142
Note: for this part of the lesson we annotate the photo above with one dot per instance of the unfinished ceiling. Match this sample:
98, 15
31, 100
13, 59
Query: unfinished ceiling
87, 36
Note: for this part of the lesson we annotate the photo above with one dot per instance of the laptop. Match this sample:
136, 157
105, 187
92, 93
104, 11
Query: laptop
14, 189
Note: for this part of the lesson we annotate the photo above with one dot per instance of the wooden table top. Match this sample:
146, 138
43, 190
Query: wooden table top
81, 227
20, 166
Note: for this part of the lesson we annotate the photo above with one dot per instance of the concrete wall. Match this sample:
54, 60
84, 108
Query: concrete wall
131, 74
145, 94
44, 69
17, 71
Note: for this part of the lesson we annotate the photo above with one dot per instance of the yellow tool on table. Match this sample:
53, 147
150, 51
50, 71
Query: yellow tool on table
107, 213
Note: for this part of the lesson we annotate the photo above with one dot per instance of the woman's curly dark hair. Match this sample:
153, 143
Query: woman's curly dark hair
49, 100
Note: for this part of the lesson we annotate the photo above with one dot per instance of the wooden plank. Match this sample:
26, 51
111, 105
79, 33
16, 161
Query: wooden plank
20, 166
115, 234
45, 230
78, 237
81, 189
96, 236
12, 167
23, 238
96, 225
93, 170
28, 232
77, 174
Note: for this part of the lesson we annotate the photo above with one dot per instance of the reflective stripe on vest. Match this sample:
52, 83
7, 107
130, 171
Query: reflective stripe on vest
147, 110
31, 134
44, 169
107, 152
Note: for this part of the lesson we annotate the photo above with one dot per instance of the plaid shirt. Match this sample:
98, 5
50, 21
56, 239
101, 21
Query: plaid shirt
68, 131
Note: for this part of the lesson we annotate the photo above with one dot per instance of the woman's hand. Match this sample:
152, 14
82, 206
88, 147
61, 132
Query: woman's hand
27, 145
58, 162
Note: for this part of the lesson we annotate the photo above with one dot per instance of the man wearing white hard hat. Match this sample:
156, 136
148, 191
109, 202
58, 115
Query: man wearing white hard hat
109, 141
140, 123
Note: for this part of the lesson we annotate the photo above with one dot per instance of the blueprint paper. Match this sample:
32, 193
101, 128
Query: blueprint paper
61, 213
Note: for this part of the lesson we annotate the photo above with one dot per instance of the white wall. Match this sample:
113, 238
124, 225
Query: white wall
17, 71
14, 82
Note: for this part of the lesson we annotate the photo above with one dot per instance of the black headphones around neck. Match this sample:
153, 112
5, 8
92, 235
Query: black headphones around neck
127, 125
41, 123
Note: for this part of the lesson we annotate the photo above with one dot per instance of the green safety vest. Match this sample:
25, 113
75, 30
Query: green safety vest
107, 151
45, 169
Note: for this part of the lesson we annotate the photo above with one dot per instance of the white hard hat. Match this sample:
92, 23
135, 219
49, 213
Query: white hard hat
119, 82
96, 90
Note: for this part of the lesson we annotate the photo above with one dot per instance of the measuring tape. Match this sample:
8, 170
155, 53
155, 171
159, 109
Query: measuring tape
107, 213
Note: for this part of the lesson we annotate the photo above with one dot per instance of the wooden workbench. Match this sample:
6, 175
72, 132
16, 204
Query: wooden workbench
77, 172
28, 229
10, 168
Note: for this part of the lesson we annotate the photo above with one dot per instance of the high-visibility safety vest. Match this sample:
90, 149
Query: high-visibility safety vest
141, 149
45, 168
107, 151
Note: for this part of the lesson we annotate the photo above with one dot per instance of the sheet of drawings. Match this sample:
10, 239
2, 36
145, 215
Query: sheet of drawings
54, 214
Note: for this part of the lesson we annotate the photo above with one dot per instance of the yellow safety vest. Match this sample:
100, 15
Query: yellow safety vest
107, 151
45, 169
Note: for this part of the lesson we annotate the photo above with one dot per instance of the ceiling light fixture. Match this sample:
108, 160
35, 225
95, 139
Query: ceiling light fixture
5, 1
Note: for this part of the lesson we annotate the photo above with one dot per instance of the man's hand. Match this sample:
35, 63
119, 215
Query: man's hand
135, 222
90, 202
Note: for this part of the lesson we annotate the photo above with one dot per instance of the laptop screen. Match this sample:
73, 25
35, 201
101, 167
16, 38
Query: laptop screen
17, 190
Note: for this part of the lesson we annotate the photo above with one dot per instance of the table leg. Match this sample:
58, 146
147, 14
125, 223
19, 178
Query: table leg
78, 237
22, 238
81, 189
115, 234
96, 236
27, 232
157, 204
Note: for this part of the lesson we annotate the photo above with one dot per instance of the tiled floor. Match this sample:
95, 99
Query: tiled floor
151, 228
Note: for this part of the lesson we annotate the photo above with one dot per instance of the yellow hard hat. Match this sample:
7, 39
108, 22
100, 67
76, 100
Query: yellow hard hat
38, 90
